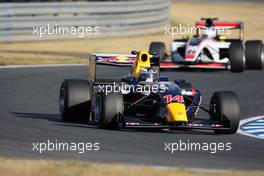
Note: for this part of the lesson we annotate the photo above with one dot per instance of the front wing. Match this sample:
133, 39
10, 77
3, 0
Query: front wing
199, 124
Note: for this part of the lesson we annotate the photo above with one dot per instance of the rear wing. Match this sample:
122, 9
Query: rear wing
213, 22
126, 61
116, 59
95, 59
221, 24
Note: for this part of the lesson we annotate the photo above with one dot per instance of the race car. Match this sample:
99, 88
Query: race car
209, 48
144, 99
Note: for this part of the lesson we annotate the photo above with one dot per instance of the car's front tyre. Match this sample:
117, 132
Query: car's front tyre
225, 110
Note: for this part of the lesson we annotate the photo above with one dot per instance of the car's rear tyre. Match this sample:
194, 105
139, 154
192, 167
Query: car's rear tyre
159, 49
254, 52
236, 56
225, 110
74, 100
179, 51
108, 110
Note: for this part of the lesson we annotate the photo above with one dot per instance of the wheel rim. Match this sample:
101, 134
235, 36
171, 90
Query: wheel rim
98, 108
262, 56
61, 101
213, 109
244, 61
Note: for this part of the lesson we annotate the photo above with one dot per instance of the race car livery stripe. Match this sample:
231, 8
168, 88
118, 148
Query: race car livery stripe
193, 91
181, 65
219, 24
117, 59
189, 56
211, 64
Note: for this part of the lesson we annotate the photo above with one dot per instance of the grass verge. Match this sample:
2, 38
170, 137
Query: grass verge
16, 167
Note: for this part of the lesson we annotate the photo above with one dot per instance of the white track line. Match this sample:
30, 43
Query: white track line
256, 124
242, 122
252, 127
255, 130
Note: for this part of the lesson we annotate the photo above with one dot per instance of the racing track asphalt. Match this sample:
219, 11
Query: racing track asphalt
29, 113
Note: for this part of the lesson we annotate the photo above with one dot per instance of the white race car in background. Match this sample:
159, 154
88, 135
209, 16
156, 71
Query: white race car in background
208, 49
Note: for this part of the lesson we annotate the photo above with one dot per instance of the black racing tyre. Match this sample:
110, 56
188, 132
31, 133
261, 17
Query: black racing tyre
159, 49
179, 50
180, 40
74, 99
225, 109
108, 110
236, 56
254, 52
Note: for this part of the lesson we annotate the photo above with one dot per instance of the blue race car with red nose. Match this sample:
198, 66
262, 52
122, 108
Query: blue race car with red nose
144, 99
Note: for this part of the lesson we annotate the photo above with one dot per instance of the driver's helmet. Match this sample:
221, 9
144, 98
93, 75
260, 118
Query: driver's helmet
210, 32
148, 75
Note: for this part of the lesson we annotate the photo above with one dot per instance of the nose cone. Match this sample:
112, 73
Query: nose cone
176, 112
